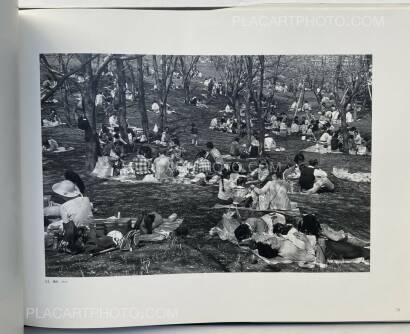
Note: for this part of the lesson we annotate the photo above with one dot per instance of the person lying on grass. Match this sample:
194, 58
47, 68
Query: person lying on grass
312, 179
150, 222
300, 244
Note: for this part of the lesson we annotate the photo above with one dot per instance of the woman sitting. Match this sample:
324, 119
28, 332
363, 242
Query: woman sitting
49, 144
75, 208
226, 187
273, 195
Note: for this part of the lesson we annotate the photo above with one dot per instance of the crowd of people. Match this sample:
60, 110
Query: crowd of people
127, 151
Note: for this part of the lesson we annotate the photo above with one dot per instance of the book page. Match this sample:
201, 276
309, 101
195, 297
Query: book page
237, 165
11, 299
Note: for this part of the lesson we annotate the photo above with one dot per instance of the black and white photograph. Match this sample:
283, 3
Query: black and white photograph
176, 164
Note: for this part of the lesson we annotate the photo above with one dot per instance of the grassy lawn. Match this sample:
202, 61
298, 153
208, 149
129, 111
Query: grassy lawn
347, 208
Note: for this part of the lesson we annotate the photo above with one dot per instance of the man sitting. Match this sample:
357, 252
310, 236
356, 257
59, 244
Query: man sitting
213, 155
312, 179
202, 165
141, 165
162, 167
260, 174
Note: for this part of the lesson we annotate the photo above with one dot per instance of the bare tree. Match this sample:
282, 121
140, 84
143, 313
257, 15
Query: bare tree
138, 93
233, 74
255, 87
188, 69
122, 101
163, 72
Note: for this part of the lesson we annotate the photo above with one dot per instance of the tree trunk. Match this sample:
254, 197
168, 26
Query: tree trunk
237, 106
64, 92
122, 102
89, 110
163, 115
341, 107
141, 97
186, 91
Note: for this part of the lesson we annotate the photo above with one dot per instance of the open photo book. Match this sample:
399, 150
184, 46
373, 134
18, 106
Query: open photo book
212, 166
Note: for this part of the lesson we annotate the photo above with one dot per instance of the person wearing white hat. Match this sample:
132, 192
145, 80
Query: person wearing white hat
75, 208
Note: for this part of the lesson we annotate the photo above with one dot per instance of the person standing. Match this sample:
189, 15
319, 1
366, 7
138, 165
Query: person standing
194, 134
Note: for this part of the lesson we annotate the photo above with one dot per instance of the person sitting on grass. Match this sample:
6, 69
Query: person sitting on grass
326, 138
335, 143
294, 128
273, 195
141, 165
162, 167
104, 135
214, 123
313, 179
49, 144
113, 121
260, 174
202, 165
226, 186
269, 144
293, 171
213, 154
303, 128
234, 149
74, 208
165, 136
76, 179
254, 147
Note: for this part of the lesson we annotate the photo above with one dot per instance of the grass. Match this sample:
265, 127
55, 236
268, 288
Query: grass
347, 208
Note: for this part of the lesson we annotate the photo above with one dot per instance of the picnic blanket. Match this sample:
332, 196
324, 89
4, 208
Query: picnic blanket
343, 174
52, 124
318, 148
61, 149
294, 211
162, 232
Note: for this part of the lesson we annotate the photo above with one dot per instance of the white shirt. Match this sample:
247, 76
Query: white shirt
269, 143
155, 107
113, 121
319, 173
326, 138
214, 123
349, 117
98, 99
78, 210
